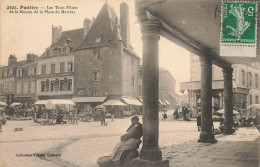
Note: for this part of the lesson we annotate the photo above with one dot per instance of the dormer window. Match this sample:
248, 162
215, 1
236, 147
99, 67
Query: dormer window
48, 53
98, 40
19, 73
97, 56
68, 41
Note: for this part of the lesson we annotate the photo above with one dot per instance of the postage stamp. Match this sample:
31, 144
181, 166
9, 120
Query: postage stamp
238, 28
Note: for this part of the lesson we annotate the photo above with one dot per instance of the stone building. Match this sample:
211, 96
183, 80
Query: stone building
107, 66
55, 69
167, 85
246, 89
8, 78
25, 85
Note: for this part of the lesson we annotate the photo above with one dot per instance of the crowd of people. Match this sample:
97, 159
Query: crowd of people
184, 112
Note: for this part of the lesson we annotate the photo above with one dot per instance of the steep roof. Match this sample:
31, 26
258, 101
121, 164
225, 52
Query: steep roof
76, 36
19, 63
102, 27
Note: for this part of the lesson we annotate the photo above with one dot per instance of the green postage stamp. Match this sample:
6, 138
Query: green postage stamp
238, 36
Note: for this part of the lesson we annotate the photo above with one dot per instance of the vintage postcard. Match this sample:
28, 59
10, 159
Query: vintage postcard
129, 83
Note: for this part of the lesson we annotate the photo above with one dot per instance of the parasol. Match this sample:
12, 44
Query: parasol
100, 107
222, 111
254, 106
15, 104
49, 105
3, 103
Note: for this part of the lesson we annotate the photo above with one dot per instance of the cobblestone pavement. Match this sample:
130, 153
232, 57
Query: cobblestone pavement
239, 150
83, 144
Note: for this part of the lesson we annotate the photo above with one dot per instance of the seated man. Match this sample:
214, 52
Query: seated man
125, 150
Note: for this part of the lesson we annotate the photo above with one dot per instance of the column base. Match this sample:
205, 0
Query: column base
153, 154
207, 138
137, 162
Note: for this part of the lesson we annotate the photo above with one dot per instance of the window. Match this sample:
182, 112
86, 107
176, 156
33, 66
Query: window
96, 93
95, 76
249, 78
11, 71
52, 86
43, 86
19, 73
97, 56
250, 99
52, 68
256, 80
3, 73
7, 72
70, 84
18, 88
25, 88
31, 71
32, 90
64, 49
34, 71
133, 80
256, 99
243, 77
70, 66
47, 85
69, 41
98, 40
48, 53
5, 87
62, 85
43, 69
62, 67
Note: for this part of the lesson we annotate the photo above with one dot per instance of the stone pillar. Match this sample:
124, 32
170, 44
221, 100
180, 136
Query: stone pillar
206, 135
228, 106
150, 155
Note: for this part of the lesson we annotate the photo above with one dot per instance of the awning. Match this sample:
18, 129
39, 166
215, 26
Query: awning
41, 102
55, 101
88, 99
61, 101
132, 101
113, 103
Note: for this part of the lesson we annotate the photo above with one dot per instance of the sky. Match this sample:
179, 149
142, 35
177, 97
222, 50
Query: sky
31, 33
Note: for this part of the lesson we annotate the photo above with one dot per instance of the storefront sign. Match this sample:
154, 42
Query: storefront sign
238, 36
56, 75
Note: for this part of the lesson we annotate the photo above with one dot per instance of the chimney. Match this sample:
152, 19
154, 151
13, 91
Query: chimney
56, 33
124, 23
86, 26
31, 57
12, 60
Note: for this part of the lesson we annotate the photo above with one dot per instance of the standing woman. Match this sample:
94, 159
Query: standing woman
74, 116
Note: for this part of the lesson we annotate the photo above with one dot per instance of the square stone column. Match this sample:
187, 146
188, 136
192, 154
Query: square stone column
206, 135
228, 103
